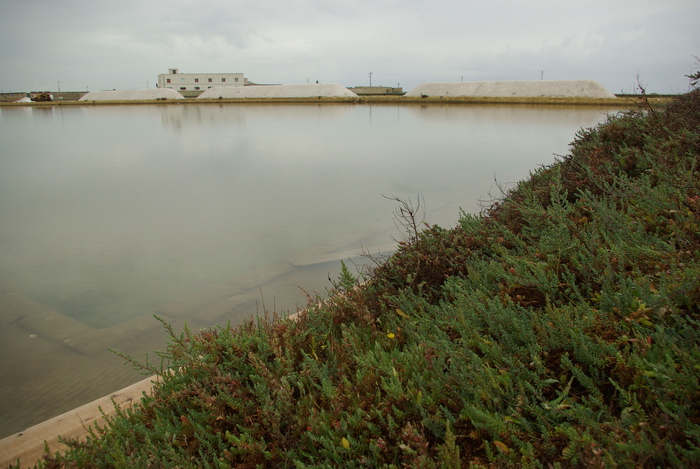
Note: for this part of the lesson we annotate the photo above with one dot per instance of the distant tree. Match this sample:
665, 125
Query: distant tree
695, 77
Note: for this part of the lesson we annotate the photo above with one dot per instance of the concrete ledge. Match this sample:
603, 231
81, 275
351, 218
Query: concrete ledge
28, 445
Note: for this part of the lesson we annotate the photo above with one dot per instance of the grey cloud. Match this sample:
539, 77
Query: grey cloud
407, 41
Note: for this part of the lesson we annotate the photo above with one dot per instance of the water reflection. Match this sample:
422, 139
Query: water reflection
176, 117
498, 113
110, 213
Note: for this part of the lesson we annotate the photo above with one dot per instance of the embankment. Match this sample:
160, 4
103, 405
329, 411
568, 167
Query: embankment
624, 102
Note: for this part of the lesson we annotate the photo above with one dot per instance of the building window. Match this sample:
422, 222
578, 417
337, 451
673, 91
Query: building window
168, 80
223, 80
210, 80
183, 88
196, 80
236, 78
196, 87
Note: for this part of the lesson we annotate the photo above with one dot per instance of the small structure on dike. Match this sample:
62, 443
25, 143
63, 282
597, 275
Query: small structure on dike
132, 95
377, 90
513, 89
309, 90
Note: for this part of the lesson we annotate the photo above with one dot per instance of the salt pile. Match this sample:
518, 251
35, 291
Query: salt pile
24, 100
309, 90
132, 95
514, 89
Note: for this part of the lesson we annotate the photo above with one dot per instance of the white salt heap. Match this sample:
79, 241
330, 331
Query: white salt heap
514, 89
131, 95
309, 90
24, 100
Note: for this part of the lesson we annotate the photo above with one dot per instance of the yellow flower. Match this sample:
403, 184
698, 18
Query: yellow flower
390, 335
345, 443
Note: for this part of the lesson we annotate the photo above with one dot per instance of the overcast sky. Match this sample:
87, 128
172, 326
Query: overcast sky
90, 44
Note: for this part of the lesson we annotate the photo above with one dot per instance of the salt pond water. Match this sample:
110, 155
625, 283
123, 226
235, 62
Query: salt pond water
203, 212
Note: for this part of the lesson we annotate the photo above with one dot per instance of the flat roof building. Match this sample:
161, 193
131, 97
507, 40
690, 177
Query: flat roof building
198, 81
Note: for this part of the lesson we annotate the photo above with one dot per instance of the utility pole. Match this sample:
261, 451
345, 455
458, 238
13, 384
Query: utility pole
542, 75
370, 79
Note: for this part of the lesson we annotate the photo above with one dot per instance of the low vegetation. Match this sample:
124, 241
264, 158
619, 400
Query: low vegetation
559, 328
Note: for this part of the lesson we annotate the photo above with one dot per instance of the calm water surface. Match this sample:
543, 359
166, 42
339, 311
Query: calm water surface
202, 213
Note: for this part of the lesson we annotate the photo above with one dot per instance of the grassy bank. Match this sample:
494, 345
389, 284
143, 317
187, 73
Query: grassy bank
558, 328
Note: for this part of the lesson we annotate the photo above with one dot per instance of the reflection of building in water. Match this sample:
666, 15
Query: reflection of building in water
195, 83
214, 116
176, 117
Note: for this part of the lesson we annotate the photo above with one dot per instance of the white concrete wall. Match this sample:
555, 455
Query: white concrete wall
198, 81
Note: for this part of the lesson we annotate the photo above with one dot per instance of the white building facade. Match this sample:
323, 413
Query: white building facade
198, 81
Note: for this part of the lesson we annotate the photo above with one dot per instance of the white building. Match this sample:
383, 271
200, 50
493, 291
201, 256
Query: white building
198, 81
